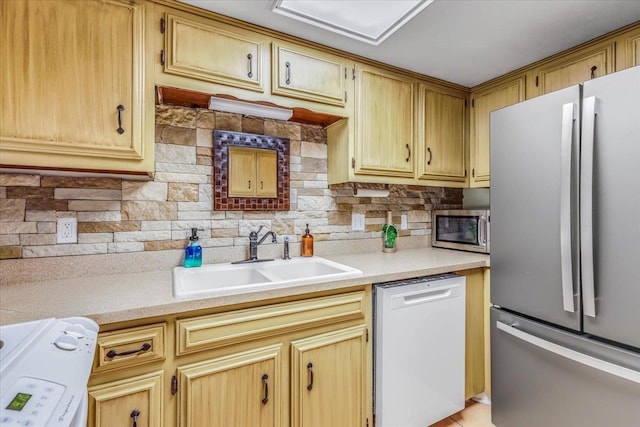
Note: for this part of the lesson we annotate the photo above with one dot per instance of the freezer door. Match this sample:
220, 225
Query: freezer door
542, 376
610, 206
534, 207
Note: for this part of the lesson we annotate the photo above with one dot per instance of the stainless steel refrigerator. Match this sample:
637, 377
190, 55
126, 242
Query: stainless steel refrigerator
565, 257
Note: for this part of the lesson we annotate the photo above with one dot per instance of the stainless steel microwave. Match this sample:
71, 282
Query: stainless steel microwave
466, 230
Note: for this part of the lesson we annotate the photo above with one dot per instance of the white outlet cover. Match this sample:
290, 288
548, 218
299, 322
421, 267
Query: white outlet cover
357, 222
403, 222
67, 231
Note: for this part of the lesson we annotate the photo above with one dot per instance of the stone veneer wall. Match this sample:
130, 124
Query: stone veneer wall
118, 215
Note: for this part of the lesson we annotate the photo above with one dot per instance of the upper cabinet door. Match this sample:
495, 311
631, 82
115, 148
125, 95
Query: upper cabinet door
575, 69
384, 118
633, 51
482, 104
441, 135
73, 92
266, 173
308, 74
217, 54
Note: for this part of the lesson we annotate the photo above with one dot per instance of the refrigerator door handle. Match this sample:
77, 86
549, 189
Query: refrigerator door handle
584, 359
590, 109
568, 118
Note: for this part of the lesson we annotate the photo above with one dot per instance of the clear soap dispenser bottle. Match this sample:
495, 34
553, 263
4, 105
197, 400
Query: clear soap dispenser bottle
193, 251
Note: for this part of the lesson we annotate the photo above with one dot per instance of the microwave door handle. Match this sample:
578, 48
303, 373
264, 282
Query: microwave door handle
566, 262
482, 230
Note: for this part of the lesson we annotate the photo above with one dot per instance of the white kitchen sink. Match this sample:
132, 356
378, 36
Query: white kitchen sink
232, 279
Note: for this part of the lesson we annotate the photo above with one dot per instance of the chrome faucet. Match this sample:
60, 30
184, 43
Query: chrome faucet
254, 242
286, 248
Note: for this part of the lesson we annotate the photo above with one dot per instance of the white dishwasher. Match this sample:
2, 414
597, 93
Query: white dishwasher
419, 333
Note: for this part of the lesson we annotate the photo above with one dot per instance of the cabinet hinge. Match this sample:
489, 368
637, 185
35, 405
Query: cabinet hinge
473, 103
537, 81
162, 25
174, 385
367, 334
465, 173
162, 57
345, 96
353, 162
353, 74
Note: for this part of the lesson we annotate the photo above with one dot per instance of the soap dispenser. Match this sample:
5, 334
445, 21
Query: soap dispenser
307, 243
193, 251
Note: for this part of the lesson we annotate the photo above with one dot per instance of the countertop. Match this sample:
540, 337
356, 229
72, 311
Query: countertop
121, 297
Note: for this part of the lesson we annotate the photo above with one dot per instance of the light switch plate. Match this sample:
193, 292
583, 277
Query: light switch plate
357, 222
67, 231
403, 222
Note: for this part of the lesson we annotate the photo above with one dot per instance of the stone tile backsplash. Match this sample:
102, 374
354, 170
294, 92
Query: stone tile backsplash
118, 215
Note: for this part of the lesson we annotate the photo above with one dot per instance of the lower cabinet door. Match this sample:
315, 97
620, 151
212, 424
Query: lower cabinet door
135, 401
328, 379
239, 390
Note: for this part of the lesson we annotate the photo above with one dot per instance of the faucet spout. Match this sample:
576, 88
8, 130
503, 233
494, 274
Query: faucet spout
254, 242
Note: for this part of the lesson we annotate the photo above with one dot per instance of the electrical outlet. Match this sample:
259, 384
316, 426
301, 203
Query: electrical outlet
67, 230
357, 222
403, 222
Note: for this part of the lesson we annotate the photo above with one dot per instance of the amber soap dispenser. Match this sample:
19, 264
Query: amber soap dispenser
307, 243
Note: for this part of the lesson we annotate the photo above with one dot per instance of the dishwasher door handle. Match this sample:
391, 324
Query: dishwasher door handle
424, 296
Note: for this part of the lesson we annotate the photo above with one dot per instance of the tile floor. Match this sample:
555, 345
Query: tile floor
474, 415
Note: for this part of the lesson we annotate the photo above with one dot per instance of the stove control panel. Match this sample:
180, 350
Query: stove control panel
44, 378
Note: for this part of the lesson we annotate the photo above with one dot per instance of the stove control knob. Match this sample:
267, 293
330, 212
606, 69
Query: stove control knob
66, 342
76, 330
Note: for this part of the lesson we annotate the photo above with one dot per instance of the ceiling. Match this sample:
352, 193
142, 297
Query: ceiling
462, 41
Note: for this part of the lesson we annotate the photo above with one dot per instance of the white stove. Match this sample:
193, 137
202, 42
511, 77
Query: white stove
44, 369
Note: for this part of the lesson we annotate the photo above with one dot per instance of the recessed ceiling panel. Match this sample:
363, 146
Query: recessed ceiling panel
365, 20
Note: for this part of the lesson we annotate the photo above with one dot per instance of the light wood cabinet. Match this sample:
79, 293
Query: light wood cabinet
253, 172
482, 104
309, 74
474, 335
575, 68
240, 389
633, 50
120, 403
196, 48
242, 366
384, 123
76, 90
441, 135
327, 379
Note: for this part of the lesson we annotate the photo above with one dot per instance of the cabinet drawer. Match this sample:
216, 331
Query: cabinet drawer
129, 347
307, 74
206, 332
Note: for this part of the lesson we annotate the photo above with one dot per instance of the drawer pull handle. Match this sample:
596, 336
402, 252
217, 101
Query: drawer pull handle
134, 416
310, 370
250, 58
408, 153
112, 353
593, 71
430, 155
265, 380
120, 110
287, 72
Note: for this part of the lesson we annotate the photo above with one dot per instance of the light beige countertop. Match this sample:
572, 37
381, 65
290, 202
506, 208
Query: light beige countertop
121, 297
